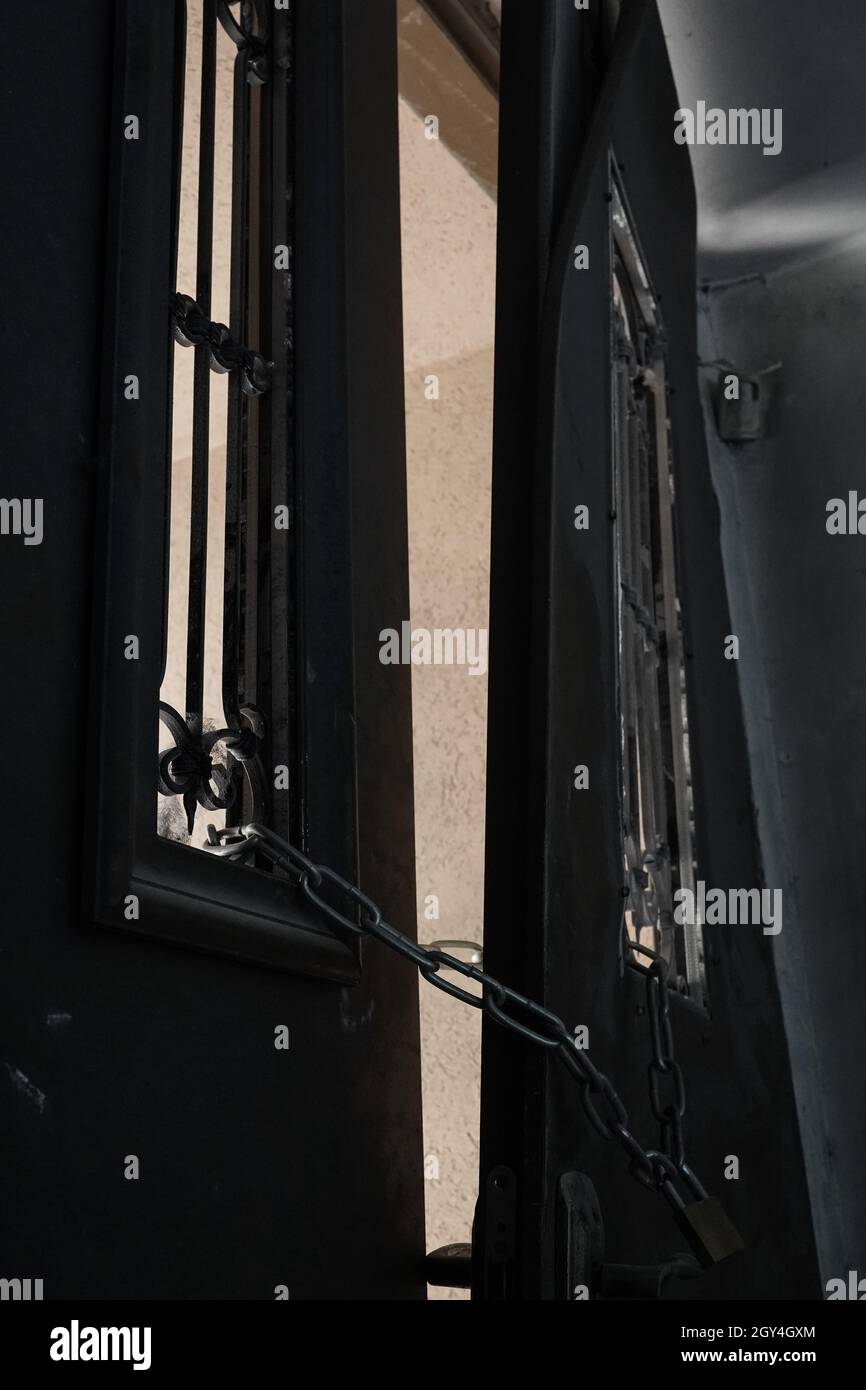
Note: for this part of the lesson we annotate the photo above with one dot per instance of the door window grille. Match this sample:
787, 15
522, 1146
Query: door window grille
227, 749
219, 618
657, 795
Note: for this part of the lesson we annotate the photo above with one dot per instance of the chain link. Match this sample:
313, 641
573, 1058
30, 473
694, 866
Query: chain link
661, 1169
670, 1111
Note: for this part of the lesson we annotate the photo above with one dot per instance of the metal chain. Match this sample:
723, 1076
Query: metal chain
657, 1169
664, 1063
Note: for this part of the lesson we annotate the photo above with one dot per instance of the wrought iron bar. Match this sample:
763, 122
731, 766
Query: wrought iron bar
657, 828
655, 379
223, 768
236, 416
277, 431
251, 501
197, 589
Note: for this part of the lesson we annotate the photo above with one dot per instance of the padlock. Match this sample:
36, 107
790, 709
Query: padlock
709, 1231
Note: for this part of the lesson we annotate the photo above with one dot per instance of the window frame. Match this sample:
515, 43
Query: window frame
185, 895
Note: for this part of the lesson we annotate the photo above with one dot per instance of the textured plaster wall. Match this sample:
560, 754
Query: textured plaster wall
449, 232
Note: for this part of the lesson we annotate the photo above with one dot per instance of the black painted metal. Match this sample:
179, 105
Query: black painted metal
277, 433
473, 27
551, 74
238, 783
182, 895
306, 601
553, 887
196, 615
450, 1267
189, 769
579, 1239
258, 1167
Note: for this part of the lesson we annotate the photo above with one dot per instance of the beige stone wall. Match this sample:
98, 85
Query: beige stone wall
449, 237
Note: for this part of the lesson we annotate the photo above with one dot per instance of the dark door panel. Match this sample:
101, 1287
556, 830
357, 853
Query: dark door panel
556, 875
258, 1168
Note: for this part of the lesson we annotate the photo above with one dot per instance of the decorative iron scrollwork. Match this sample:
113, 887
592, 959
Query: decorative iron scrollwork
222, 741
188, 768
251, 41
657, 803
192, 328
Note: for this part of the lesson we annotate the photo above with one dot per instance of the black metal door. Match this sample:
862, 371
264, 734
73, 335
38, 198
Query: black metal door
206, 1094
608, 677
